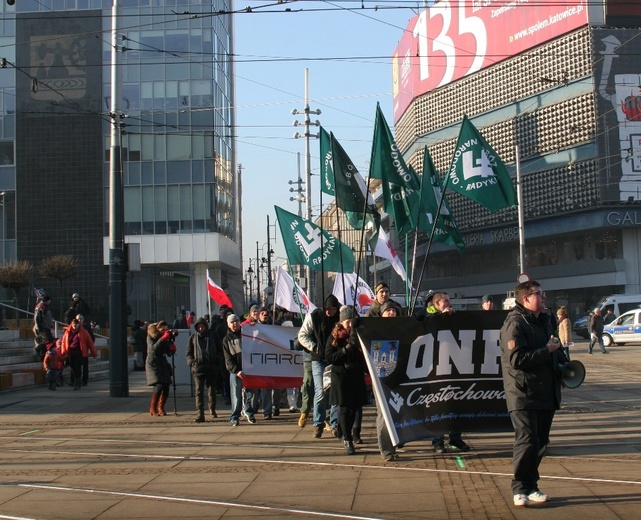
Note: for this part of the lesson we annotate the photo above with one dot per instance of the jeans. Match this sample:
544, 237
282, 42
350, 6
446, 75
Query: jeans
307, 389
593, 339
250, 402
236, 394
266, 401
320, 398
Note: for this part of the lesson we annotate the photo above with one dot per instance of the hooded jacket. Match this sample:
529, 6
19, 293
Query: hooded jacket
317, 328
233, 351
531, 374
202, 354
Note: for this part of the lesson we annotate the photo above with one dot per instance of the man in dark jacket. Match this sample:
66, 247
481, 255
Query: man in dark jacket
76, 306
530, 359
202, 357
233, 351
596, 331
313, 335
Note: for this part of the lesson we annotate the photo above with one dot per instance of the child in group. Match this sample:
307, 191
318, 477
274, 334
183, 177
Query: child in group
51, 364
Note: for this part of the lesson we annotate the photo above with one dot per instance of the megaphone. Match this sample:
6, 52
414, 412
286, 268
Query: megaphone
573, 374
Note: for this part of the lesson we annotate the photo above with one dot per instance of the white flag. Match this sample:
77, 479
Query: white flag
385, 250
289, 295
347, 294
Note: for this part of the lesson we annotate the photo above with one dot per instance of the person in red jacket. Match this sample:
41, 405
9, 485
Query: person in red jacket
76, 343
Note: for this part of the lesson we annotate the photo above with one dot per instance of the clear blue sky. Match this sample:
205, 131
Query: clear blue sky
348, 53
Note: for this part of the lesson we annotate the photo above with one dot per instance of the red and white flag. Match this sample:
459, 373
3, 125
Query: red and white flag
289, 295
217, 294
385, 250
346, 291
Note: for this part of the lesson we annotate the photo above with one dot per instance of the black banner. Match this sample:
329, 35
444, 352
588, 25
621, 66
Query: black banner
437, 375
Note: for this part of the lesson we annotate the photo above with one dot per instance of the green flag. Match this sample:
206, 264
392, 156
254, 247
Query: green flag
327, 174
401, 185
446, 230
308, 244
351, 193
478, 172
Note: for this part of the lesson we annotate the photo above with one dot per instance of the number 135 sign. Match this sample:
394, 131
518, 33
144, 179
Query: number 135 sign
455, 38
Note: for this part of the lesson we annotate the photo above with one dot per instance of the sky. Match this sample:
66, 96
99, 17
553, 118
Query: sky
347, 51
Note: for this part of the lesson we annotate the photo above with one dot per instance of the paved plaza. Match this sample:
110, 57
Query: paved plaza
84, 455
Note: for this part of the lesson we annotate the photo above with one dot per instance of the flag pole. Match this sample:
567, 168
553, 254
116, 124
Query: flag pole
519, 201
429, 245
208, 297
275, 293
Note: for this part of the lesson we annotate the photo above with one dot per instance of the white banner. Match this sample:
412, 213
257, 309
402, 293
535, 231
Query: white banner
289, 295
268, 358
346, 292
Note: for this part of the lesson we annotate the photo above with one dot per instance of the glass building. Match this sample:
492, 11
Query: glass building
179, 169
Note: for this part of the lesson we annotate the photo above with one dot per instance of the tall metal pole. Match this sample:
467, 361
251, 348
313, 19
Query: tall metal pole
118, 373
257, 275
269, 257
519, 201
308, 176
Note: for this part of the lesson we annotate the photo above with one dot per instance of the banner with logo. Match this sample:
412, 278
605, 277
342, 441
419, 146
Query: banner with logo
269, 360
437, 375
289, 295
353, 291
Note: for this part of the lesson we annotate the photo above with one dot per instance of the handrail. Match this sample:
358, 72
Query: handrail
56, 322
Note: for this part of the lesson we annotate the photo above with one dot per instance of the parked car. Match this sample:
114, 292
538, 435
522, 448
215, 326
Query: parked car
625, 329
580, 327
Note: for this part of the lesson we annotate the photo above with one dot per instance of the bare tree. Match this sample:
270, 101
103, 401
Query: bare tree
15, 276
60, 267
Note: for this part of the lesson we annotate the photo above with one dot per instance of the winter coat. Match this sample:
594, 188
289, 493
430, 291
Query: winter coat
202, 352
596, 324
86, 345
158, 369
348, 370
316, 330
75, 308
42, 318
565, 328
531, 374
233, 351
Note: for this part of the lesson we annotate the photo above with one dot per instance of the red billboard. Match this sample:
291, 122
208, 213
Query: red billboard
455, 38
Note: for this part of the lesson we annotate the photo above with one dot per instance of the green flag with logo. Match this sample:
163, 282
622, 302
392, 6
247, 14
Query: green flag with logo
307, 244
446, 230
401, 185
478, 173
351, 190
327, 174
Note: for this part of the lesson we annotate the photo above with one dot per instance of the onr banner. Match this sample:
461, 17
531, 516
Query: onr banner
269, 360
437, 375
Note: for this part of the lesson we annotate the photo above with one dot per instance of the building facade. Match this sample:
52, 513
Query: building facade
560, 84
181, 191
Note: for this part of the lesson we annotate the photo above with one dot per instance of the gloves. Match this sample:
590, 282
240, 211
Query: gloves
172, 349
166, 336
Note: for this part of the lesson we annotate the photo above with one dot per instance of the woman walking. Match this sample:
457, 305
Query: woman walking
348, 388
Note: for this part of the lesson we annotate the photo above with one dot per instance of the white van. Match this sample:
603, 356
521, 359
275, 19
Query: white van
619, 303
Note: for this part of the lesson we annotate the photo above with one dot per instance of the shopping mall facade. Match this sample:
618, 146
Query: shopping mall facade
560, 83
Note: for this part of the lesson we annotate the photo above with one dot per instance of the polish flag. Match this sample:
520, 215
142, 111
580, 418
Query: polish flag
385, 250
217, 294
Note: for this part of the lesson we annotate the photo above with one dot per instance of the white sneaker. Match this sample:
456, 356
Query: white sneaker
521, 500
537, 496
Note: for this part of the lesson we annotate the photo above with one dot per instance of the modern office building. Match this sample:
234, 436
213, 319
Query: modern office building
181, 190
560, 82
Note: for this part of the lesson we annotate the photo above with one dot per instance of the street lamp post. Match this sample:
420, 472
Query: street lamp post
4, 230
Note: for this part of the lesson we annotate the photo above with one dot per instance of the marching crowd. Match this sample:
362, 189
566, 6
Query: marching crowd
534, 343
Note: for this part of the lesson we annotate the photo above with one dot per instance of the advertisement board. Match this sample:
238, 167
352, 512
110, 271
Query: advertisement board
453, 39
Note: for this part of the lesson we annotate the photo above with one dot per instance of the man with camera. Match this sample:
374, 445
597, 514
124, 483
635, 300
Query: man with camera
530, 359
160, 343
